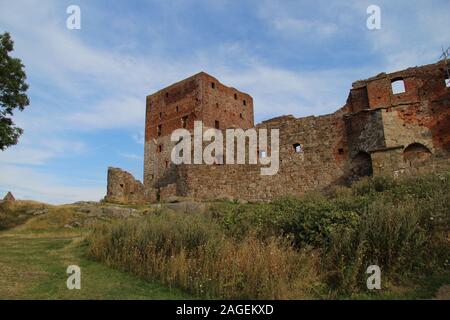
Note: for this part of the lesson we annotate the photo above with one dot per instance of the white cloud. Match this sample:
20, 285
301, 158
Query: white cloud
127, 79
277, 91
44, 187
111, 113
298, 27
315, 21
410, 34
132, 156
84, 86
38, 150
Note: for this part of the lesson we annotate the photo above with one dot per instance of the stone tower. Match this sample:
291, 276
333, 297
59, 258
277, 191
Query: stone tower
197, 98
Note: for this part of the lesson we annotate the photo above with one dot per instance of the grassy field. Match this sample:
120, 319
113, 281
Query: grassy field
34, 258
314, 247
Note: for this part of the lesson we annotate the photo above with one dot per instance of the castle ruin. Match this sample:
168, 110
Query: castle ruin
391, 124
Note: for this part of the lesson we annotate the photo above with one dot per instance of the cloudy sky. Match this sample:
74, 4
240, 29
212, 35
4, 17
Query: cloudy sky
88, 86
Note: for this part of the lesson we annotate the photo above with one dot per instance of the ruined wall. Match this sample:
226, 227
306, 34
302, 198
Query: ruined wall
174, 107
377, 132
198, 98
358, 98
123, 188
159, 171
321, 163
365, 131
403, 131
230, 107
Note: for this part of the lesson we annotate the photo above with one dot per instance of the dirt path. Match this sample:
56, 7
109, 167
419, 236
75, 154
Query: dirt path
33, 266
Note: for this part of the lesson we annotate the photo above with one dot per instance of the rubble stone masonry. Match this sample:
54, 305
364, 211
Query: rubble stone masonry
377, 132
123, 188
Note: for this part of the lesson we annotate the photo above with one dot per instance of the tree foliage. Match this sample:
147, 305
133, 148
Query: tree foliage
12, 92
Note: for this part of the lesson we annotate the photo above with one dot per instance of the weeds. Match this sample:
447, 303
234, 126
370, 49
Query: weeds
294, 247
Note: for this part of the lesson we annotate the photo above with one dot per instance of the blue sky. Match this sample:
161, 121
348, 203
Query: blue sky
88, 86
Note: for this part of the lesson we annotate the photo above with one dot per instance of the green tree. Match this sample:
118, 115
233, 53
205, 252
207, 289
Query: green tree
12, 92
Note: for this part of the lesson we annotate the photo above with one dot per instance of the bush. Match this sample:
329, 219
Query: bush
399, 225
293, 247
311, 221
307, 221
403, 232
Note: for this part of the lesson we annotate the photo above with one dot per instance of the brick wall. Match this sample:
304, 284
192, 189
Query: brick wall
197, 98
391, 124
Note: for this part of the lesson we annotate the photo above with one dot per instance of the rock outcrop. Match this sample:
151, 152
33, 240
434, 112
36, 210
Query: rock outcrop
9, 197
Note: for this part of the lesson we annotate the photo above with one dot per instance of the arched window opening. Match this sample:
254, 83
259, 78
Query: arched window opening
361, 165
416, 153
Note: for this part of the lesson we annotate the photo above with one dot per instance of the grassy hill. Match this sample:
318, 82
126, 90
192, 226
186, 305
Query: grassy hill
34, 257
314, 247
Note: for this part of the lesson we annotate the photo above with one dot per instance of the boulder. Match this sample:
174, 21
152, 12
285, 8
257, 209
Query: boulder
119, 212
9, 197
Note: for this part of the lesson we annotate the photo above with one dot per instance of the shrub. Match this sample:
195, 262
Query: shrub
311, 221
307, 221
400, 225
401, 240
190, 251
293, 247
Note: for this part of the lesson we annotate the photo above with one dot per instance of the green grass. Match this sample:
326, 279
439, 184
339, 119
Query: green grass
314, 247
401, 225
33, 265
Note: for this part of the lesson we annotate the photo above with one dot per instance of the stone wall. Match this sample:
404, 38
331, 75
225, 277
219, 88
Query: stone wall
376, 132
200, 97
123, 188
321, 162
197, 98
365, 131
407, 131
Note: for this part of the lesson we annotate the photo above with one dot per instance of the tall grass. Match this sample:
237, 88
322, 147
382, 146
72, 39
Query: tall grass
193, 253
294, 247
17, 212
